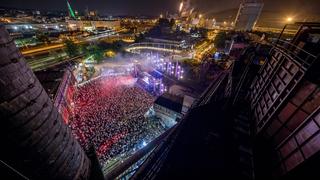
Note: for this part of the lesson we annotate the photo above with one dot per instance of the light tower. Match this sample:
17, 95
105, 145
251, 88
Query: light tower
71, 12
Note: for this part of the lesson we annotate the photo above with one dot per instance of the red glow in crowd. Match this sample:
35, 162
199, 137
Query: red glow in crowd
109, 113
107, 144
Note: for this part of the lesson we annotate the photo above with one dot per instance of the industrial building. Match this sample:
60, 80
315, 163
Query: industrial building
248, 15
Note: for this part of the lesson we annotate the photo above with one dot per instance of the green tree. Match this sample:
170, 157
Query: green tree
96, 52
83, 48
71, 48
115, 46
43, 37
220, 40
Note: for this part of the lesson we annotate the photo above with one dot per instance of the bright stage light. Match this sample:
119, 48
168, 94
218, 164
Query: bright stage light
144, 143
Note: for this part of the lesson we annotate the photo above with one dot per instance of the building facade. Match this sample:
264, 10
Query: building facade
64, 97
92, 25
168, 108
248, 15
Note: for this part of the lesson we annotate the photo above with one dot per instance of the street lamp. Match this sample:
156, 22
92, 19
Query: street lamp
289, 19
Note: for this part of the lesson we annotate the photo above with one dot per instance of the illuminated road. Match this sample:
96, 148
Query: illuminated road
59, 57
39, 63
40, 49
50, 61
61, 45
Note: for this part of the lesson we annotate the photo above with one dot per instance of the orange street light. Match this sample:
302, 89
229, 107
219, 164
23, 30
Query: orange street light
289, 19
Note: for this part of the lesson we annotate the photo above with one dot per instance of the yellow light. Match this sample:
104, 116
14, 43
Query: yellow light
289, 19
200, 16
181, 6
161, 16
110, 53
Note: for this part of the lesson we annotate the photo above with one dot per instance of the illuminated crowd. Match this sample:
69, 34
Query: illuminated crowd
109, 114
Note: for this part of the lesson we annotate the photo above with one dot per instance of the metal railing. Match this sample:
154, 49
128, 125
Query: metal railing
126, 164
155, 46
290, 52
299, 55
213, 89
300, 141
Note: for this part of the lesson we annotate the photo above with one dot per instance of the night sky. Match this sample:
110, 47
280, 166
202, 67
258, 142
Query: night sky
155, 7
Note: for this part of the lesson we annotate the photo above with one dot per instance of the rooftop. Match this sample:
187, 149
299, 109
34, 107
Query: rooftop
171, 102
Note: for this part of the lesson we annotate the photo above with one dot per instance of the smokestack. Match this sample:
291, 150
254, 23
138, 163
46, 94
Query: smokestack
36, 142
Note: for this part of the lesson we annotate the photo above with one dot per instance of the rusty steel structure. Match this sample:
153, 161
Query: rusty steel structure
37, 143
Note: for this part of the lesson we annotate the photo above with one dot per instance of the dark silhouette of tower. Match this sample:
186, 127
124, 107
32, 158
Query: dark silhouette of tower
35, 140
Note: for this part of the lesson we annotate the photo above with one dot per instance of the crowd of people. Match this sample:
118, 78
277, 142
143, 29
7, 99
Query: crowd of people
109, 113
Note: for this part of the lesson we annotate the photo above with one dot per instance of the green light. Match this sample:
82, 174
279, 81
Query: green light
71, 10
